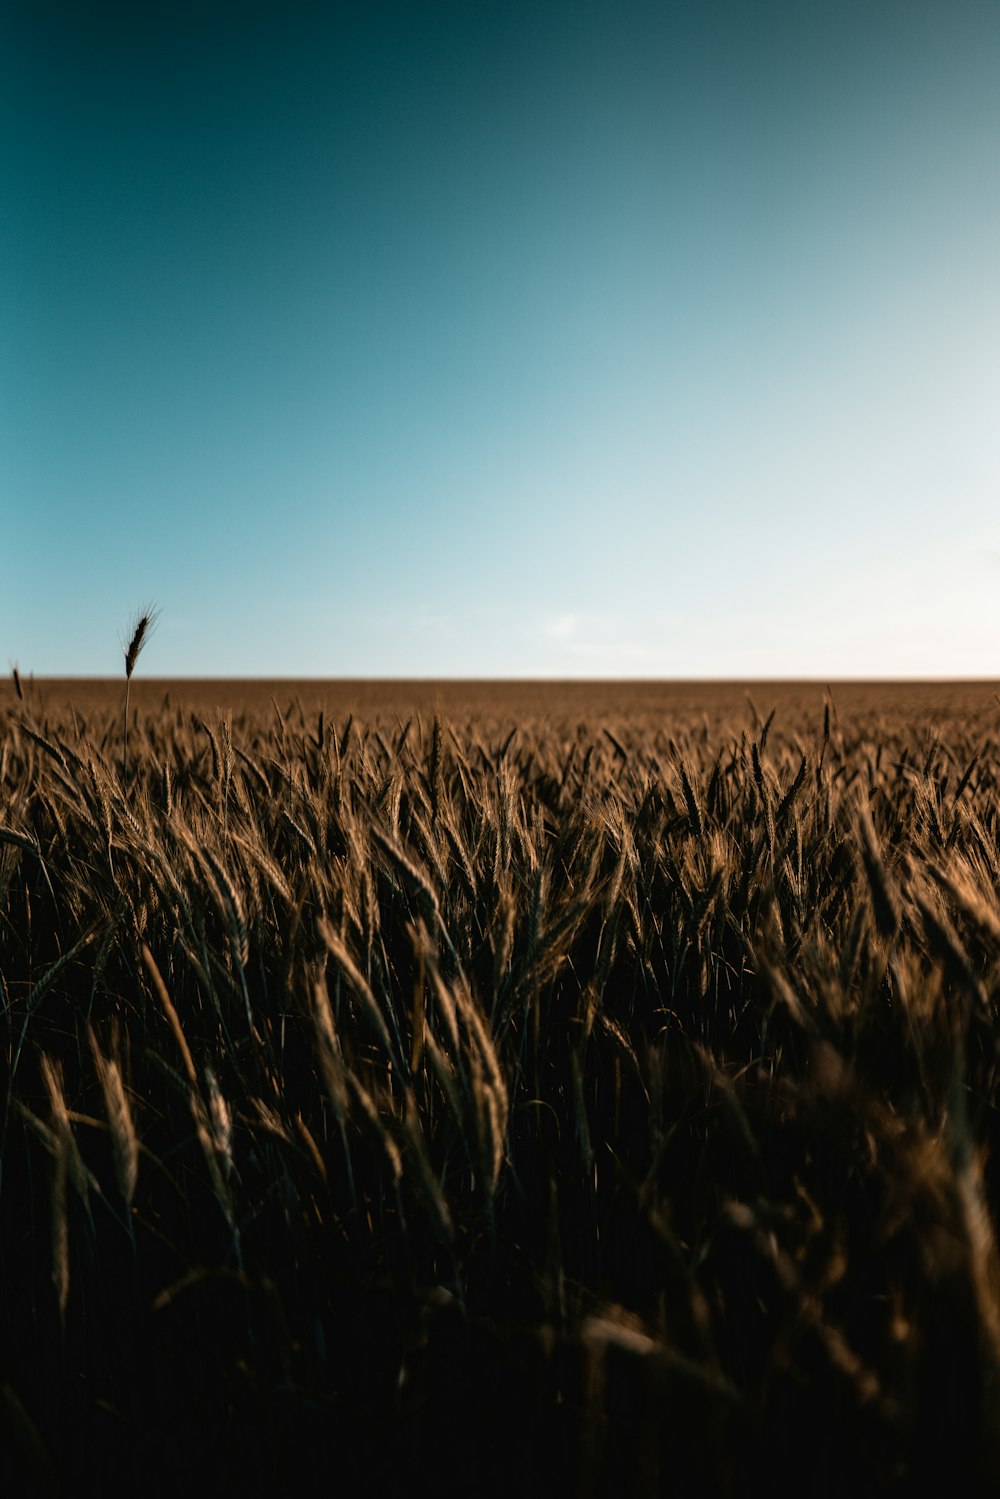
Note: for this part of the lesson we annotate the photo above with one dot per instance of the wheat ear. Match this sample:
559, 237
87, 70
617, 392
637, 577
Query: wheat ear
141, 631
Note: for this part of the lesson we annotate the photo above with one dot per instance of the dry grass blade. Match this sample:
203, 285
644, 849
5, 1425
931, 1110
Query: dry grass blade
220, 1123
60, 1227
330, 1054
415, 878
416, 1149
974, 897
68, 1167
885, 902
213, 1126
362, 991
125, 1143
377, 1126
691, 801
18, 840
167, 1005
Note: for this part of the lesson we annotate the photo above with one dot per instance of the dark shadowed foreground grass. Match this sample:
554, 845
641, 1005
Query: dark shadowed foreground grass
541, 1108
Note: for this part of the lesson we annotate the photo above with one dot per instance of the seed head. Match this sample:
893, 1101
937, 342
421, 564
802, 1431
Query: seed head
141, 631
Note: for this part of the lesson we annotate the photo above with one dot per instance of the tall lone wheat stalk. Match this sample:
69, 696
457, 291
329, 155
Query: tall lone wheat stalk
141, 632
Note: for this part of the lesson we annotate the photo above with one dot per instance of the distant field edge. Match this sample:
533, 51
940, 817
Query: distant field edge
930, 700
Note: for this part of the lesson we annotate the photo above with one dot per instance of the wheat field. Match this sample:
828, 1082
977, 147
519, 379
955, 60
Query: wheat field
581, 1089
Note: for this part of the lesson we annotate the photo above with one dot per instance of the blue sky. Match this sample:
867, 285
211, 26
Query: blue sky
502, 339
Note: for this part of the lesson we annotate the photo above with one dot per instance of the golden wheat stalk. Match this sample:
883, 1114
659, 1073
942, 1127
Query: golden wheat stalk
141, 631
124, 1141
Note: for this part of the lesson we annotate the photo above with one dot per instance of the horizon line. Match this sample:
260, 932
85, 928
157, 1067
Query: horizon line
541, 680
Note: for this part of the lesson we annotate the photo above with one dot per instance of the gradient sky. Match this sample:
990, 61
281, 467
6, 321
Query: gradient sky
502, 339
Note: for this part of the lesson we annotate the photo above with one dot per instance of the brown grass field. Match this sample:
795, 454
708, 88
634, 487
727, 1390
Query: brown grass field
491, 1088
900, 704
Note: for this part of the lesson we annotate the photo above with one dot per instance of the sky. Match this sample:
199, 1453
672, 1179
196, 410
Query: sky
501, 339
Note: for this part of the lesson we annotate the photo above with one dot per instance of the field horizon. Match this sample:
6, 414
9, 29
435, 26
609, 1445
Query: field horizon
722, 698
